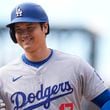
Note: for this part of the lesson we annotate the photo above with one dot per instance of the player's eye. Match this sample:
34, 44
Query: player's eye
31, 29
28, 29
18, 31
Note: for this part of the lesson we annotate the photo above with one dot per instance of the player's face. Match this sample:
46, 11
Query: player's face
31, 36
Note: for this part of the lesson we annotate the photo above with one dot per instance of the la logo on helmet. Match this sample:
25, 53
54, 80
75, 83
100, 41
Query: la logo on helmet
19, 12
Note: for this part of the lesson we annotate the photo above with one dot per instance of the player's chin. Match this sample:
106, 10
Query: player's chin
27, 48
27, 45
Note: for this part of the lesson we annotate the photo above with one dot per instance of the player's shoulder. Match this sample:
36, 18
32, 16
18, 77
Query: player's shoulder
75, 60
67, 56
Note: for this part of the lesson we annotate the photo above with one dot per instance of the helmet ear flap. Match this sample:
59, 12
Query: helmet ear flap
12, 34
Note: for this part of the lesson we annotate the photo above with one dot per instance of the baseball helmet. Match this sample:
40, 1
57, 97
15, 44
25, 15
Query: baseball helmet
26, 12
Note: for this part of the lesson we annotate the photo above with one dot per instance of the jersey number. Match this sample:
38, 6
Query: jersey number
66, 106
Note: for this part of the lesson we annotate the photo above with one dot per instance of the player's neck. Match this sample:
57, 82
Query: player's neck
38, 55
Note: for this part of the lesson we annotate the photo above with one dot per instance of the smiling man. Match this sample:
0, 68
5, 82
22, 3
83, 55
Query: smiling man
44, 78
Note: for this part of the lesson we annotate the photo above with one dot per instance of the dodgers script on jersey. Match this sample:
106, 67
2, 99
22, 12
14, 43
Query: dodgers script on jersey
63, 79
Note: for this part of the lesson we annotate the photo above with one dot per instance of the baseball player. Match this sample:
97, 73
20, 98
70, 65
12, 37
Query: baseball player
43, 78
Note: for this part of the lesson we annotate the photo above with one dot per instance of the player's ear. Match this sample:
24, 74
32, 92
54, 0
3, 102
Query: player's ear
45, 27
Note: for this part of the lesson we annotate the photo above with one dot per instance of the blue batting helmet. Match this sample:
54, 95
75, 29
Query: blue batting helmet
27, 12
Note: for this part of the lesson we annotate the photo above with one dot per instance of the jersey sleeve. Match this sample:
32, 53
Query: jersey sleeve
92, 83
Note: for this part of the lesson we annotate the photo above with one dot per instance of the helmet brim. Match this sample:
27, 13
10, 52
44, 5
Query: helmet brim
25, 19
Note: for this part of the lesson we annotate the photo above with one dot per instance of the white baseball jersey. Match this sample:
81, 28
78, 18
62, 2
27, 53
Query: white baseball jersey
57, 84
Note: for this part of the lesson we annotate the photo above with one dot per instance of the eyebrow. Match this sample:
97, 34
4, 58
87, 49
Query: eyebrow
29, 24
